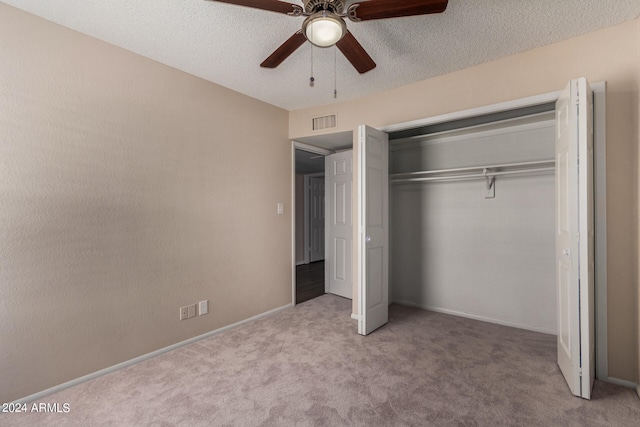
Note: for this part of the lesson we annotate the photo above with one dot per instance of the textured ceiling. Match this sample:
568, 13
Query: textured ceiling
225, 43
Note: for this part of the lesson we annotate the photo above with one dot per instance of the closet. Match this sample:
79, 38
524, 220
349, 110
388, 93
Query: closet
472, 219
497, 214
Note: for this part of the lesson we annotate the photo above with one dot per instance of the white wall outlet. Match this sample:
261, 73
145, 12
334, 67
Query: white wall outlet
191, 310
203, 307
280, 208
184, 313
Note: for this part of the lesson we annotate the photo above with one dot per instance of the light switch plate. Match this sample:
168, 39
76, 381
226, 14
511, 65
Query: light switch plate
203, 307
192, 310
280, 208
184, 313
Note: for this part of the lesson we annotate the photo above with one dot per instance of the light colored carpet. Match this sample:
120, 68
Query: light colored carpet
307, 366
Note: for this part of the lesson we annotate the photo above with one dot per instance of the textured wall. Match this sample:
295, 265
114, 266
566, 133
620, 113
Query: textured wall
127, 189
608, 55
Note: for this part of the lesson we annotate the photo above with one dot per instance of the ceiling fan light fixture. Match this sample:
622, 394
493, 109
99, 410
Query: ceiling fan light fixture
324, 28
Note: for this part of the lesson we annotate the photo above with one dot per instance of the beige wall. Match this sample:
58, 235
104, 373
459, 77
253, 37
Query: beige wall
609, 55
127, 189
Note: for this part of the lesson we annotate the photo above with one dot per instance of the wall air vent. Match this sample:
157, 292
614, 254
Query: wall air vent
325, 122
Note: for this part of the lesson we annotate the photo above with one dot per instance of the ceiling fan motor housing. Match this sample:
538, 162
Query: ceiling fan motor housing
311, 6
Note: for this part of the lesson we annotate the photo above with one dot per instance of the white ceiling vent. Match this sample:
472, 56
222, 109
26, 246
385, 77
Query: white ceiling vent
325, 122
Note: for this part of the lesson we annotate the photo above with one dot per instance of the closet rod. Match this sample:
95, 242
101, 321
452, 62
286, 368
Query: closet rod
472, 176
478, 168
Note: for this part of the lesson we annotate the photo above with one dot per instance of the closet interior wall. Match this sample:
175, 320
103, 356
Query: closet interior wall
457, 252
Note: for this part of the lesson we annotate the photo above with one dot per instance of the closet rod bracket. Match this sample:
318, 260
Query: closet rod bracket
490, 190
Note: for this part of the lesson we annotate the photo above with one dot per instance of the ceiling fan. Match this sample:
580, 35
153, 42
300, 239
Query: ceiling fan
324, 25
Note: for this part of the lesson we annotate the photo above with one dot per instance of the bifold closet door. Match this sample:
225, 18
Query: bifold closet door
373, 229
575, 237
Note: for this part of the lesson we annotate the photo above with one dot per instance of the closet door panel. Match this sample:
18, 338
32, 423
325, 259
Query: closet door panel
373, 229
575, 237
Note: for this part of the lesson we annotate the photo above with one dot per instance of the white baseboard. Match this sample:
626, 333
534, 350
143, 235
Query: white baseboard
125, 364
476, 317
355, 316
623, 383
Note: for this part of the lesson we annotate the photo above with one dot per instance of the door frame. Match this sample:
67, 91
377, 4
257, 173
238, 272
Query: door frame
312, 149
600, 208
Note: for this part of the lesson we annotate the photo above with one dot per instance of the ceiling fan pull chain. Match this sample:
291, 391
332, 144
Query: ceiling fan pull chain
311, 79
335, 73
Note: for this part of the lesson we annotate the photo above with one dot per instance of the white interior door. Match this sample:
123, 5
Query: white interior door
373, 229
316, 218
575, 237
338, 224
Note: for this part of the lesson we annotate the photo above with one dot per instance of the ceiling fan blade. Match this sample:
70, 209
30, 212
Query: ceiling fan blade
355, 53
271, 5
381, 9
285, 49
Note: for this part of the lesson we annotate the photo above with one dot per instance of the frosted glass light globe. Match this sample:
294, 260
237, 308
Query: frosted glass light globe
324, 30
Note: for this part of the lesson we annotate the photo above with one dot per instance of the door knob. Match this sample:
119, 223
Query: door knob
367, 239
566, 252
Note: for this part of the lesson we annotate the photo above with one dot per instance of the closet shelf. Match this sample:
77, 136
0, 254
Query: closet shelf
474, 172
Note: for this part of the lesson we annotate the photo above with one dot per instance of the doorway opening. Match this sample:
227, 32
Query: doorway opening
311, 269
309, 219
